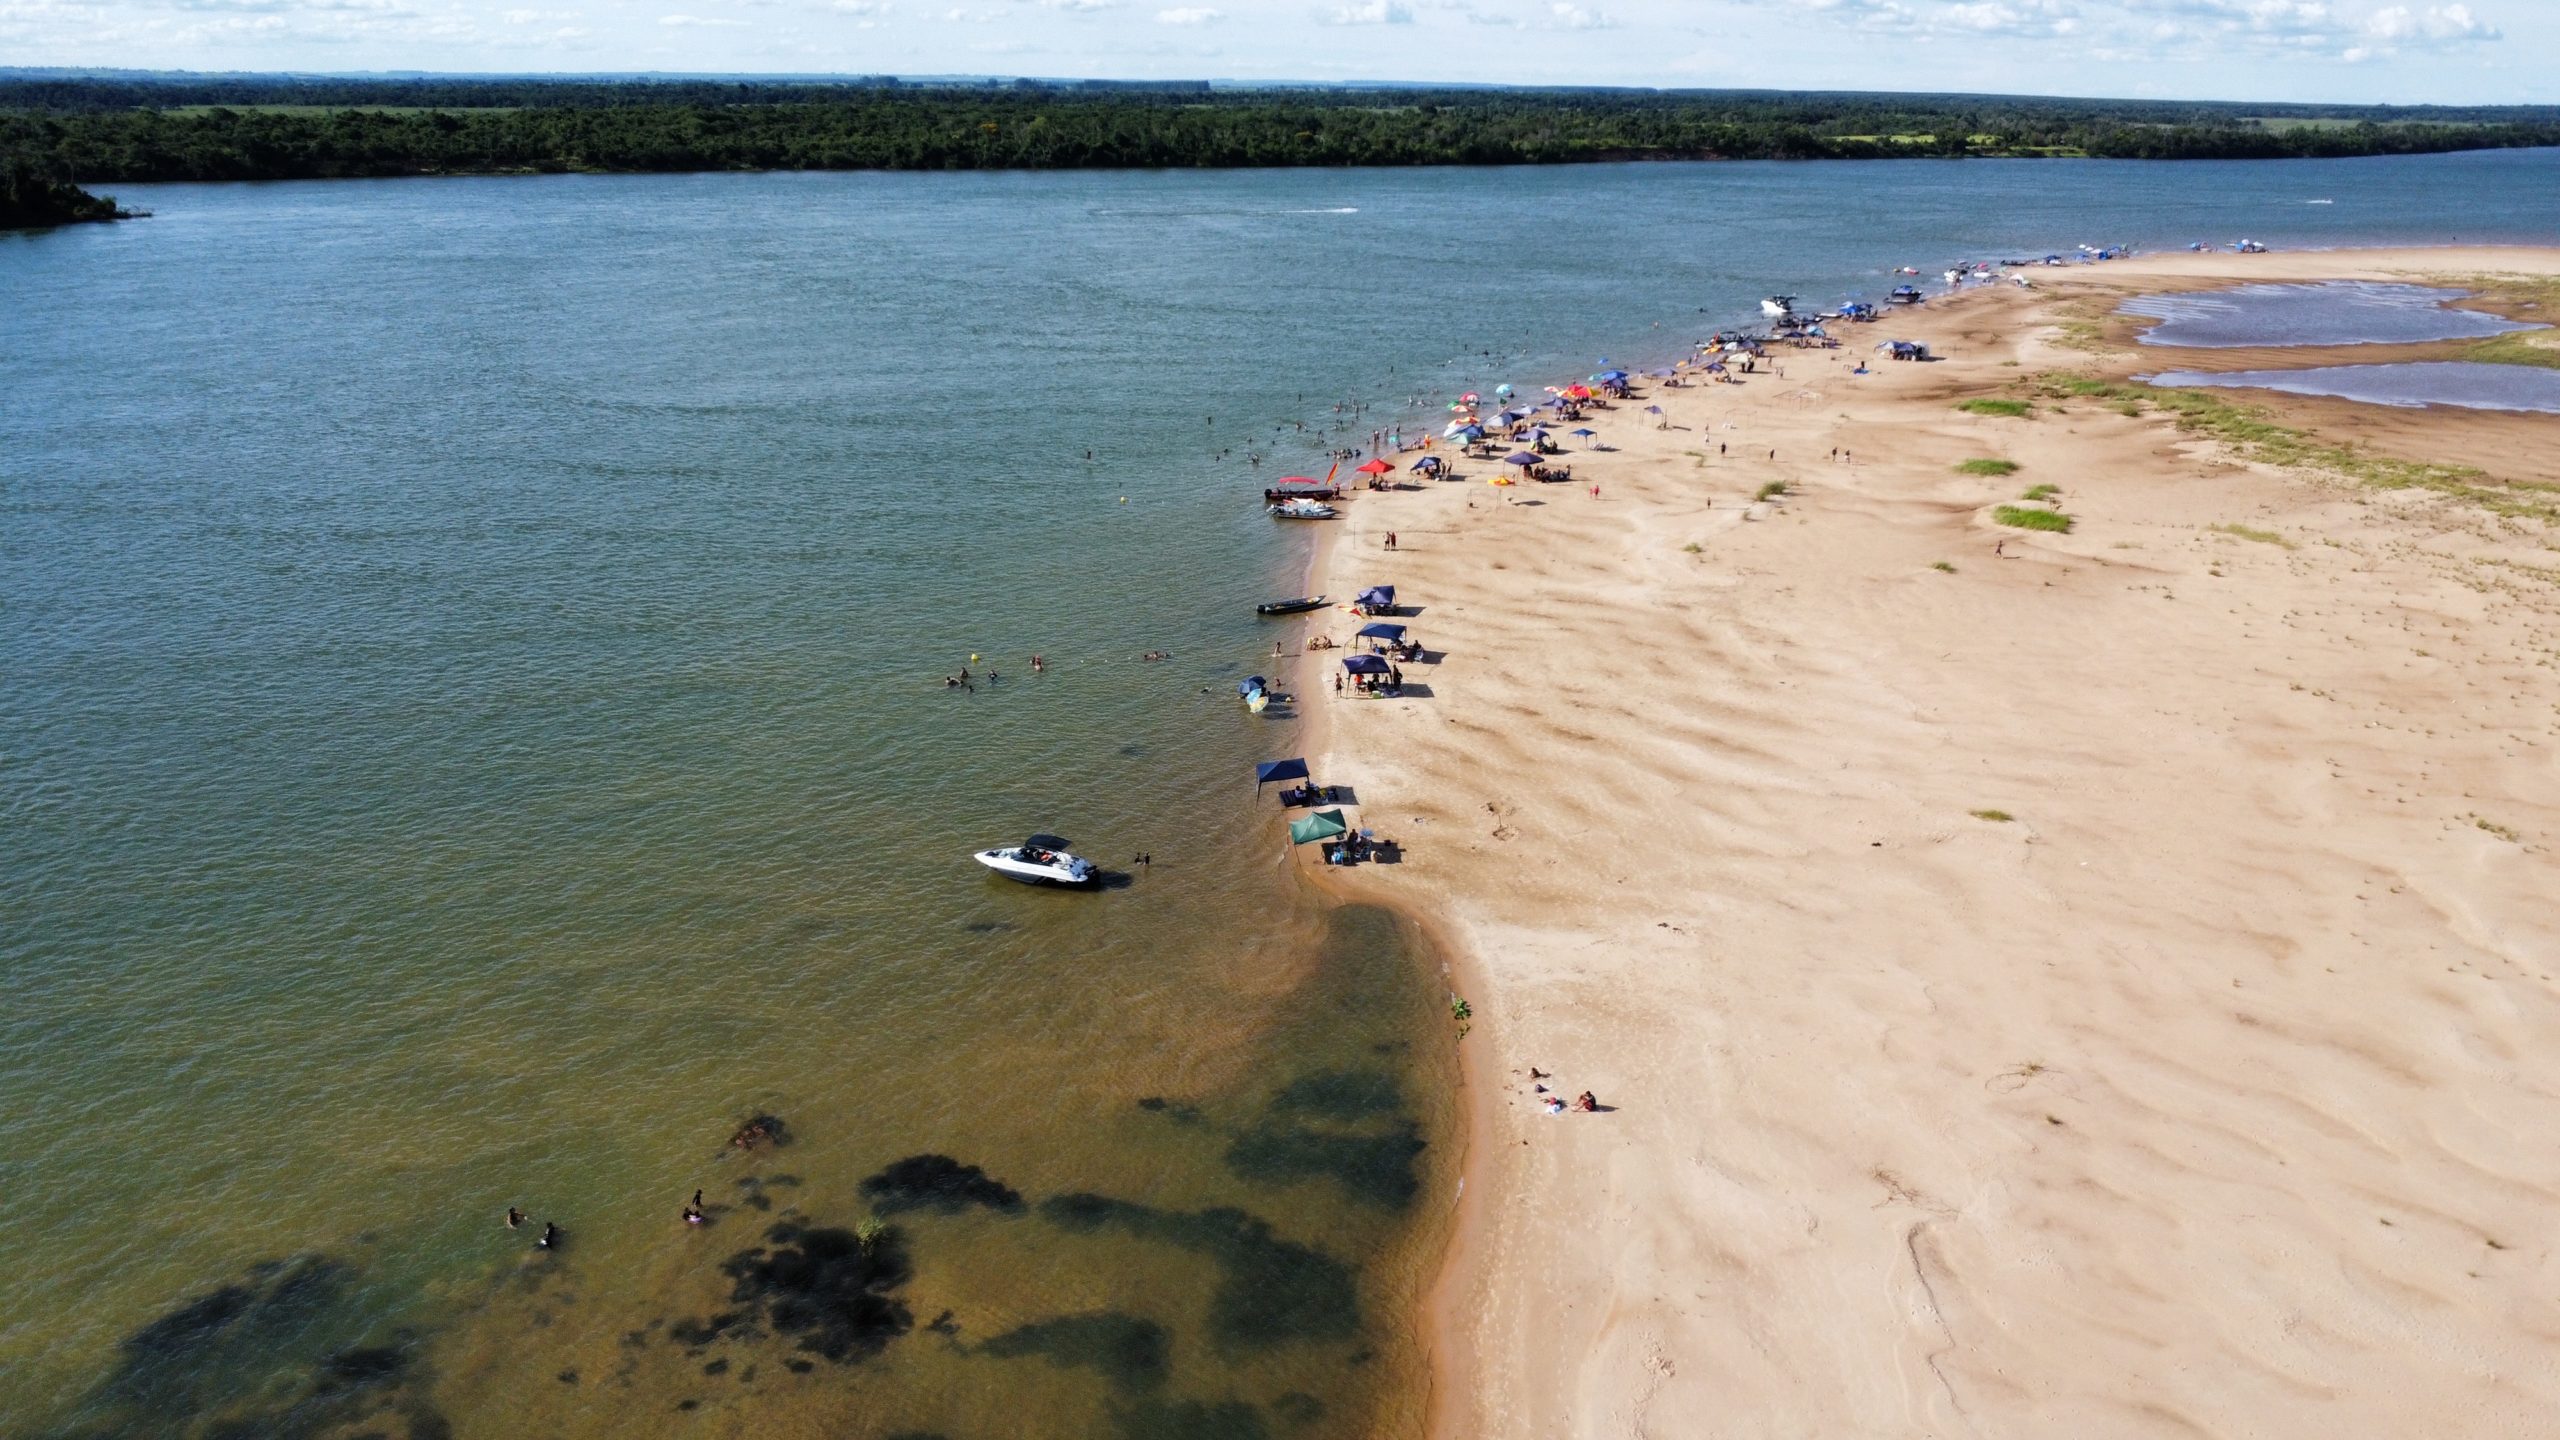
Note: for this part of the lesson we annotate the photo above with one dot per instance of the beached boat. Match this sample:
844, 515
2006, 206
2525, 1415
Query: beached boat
1040, 860
1302, 510
1298, 606
1778, 305
1906, 295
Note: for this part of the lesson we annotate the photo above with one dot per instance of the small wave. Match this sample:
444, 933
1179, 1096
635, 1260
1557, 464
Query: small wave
2319, 202
1338, 210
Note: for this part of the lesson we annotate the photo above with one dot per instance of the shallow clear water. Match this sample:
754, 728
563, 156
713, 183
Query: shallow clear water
2467, 384
471, 733
2339, 312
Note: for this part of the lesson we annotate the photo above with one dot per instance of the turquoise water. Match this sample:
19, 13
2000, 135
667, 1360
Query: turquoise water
471, 733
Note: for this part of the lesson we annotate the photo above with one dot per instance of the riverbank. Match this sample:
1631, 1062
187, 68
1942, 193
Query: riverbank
2034, 979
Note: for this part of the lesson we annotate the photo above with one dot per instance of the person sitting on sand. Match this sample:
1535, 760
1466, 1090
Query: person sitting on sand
1585, 1103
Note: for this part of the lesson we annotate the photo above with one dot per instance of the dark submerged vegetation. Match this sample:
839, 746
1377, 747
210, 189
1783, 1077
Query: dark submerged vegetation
265, 128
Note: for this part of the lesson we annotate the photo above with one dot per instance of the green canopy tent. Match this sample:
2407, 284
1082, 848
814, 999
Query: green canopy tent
1322, 825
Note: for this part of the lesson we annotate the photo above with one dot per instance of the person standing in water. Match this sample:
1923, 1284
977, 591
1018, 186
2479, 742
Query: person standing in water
550, 1237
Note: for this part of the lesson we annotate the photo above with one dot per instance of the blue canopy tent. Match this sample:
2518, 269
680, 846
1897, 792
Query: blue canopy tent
1521, 458
1428, 463
1271, 771
1382, 630
1378, 597
1364, 664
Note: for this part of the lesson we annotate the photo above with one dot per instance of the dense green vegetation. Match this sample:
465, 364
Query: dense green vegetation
28, 200
187, 128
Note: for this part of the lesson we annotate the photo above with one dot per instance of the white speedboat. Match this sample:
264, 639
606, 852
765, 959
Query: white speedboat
1037, 862
1302, 510
1777, 305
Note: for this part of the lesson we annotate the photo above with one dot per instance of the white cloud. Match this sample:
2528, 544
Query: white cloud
2436, 25
1574, 17
873, 8
1371, 12
1190, 15
709, 22
2039, 19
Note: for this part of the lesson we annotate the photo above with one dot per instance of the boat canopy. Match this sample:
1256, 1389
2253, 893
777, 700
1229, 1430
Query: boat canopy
1378, 595
1322, 825
1365, 664
1270, 770
1382, 631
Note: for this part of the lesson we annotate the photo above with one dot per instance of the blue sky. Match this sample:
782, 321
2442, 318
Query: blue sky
2403, 51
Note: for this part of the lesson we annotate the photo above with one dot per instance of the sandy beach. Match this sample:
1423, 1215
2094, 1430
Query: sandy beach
2101, 989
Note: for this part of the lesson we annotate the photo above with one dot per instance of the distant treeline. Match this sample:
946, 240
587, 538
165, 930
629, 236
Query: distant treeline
264, 129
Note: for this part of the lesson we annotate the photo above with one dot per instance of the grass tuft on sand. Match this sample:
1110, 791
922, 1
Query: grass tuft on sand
2014, 409
1773, 490
2025, 519
1988, 467
2244, 532
1996, 817
2041, 492
1942, 565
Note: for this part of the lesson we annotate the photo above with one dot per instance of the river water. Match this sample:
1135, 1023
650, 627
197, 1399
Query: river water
472, 734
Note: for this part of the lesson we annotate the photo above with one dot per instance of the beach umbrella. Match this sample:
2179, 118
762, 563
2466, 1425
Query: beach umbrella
1456, 428
1271, 770
1502, 390
1427, 462
1521, 458
1653, 409
1588, 433
1610, 375
1322, 825
1250, 686
1376, 467
1469, 398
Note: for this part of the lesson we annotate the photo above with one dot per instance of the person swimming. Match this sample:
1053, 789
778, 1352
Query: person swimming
515, 1217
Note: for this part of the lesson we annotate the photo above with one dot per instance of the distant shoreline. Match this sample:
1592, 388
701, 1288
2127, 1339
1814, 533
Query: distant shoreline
91, 131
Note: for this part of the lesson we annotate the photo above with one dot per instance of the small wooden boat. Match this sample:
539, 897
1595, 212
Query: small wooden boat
1298, 606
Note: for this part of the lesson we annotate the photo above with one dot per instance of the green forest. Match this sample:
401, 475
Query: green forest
29, 200
91, 131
